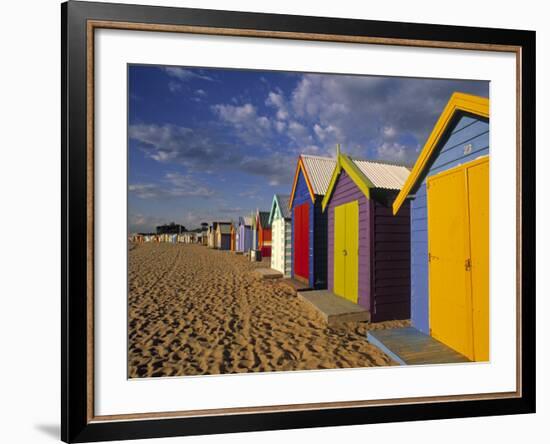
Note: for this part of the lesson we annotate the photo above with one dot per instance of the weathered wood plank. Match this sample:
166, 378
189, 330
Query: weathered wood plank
409, 346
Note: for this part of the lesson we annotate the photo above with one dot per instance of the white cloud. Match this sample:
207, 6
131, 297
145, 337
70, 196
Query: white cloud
173, 185
174, 86
277, 101
280, 126
200, 92
185, 74
396, 152
252, 128
389, 132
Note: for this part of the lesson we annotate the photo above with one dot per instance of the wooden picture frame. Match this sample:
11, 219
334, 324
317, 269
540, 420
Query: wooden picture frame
79, 22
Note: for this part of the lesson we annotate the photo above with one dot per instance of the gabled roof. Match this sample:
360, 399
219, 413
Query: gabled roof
367, 174
279, 201
263, 219
317, 172
458, 104
245, 220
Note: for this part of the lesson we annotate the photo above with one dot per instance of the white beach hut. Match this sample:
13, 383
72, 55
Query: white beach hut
281, 235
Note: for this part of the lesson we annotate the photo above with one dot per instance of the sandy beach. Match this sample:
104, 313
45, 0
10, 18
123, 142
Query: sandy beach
196, 311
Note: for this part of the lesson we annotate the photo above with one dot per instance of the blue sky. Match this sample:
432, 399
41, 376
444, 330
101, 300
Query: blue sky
214, 144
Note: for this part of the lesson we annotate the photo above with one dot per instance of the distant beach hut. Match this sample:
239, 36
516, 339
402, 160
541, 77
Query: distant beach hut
244, 242
309, 223
212, 235
233, 237
223, 235
368, 247
263, 230
448, 189
281, 235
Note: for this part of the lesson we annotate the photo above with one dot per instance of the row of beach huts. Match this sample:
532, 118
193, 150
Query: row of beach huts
401, 243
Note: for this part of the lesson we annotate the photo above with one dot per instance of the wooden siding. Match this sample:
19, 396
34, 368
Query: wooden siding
224, 241
346, 191
384, 250
317, 234
391, 249
245, 238
281, 259
468, 132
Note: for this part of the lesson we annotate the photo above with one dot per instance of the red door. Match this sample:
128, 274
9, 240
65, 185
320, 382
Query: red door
301, 241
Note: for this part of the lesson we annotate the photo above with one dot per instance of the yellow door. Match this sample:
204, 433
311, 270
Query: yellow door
339, 248
346, 250
458, 245
450, 311
478, 199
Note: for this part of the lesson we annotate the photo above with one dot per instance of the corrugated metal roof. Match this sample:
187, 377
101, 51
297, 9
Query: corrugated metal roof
283, 205
264, 219
319, 171
383, 175
247, 220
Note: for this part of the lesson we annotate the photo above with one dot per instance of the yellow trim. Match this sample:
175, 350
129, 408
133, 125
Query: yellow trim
471, 163
301, 166
345, 162
476, 105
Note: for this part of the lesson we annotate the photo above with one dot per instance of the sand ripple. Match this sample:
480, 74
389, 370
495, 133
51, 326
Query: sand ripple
194, 311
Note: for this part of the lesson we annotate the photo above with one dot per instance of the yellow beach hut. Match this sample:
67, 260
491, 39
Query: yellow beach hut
448, 190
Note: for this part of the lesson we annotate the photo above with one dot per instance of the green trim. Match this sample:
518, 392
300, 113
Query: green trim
274, 203
358, 178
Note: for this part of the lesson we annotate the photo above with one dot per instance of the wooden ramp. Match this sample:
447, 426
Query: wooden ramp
268, 273
408, 346
333, 308
295, 284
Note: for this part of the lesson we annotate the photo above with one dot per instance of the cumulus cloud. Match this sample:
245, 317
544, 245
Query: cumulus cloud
197, 149
252, 128
278, 101
365, 113
277, 169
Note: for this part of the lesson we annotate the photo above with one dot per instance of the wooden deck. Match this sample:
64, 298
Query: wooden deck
295, 284
268, 273
333, 308
408, 346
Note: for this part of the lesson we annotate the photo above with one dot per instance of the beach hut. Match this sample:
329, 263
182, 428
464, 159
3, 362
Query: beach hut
210, 236
223, 235
448, 189
368, 247
281, 235
263, 230
309, 222
233, 237
244, 243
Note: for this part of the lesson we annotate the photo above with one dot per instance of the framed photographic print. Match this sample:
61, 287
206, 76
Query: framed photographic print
276, 221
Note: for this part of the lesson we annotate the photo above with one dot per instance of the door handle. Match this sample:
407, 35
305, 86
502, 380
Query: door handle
344, 252
468, 264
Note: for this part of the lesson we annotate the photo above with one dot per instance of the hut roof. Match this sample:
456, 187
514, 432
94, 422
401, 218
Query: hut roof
281, 201
263, 217
317, 172
458, 104
367, 175
245, 220
383, 175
